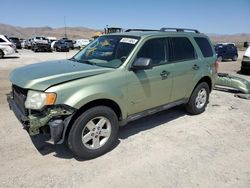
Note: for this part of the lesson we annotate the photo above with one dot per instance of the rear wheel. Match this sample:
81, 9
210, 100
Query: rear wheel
235, 57
219, 58
1, 54
199, 99
94, 132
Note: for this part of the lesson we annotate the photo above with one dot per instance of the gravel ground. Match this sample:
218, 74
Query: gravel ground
169, 149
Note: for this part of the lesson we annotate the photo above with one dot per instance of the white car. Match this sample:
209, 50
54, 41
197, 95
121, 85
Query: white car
52, 44
6, 47
81, 42
245, 63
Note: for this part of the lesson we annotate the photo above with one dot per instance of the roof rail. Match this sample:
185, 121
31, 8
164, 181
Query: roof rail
128, 30
179, 29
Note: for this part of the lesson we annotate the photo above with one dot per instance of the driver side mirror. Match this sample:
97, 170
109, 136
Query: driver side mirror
142, 63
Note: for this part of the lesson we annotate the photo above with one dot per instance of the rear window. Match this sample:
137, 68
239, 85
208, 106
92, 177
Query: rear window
182, 49
205, 46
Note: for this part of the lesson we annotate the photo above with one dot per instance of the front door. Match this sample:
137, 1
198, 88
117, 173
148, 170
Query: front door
150, 88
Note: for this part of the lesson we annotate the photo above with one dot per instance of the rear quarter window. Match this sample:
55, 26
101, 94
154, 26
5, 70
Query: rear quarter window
205, 46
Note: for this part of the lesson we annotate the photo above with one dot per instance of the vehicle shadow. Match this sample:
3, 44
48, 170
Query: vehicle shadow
150, 122
11, 57
245, 73
45, 146
227, 90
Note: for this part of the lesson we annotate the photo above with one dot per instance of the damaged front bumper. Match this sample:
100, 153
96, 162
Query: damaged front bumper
226, 80
56, 117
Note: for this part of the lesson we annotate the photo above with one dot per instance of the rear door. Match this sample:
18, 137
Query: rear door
186, 65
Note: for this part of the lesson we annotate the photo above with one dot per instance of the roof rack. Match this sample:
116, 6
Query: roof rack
128, 30
179, 29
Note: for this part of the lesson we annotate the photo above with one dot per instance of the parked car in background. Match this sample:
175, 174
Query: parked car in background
6, 47
61, 46
245, 63
246, 44
80, 43
16, 41
27, 44
40, 44
70, 43
23, 43
226, 51
52, 44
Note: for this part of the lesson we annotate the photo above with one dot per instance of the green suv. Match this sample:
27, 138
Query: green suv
117, 78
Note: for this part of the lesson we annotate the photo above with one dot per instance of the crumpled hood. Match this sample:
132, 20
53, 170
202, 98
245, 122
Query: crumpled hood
40, 76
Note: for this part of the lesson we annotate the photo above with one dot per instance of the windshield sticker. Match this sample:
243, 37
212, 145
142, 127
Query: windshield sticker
128, 40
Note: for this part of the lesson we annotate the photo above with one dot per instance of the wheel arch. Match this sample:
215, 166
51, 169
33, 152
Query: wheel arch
206, 79
98, 102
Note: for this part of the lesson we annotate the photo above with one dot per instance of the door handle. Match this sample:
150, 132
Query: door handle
196, 67
164, 74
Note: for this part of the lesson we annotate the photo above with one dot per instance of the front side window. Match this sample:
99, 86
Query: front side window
107, 51
155, 50
182, 49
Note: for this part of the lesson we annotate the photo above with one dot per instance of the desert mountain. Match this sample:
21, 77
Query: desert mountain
82, 32
28, 32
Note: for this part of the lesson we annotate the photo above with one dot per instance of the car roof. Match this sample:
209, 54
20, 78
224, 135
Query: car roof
157, 33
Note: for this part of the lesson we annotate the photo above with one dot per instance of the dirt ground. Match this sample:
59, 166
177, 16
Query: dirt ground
169, 149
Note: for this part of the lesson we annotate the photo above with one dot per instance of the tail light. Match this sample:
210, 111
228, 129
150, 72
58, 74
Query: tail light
216, 66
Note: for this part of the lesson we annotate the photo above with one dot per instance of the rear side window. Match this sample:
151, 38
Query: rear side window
182, 49
1, 40
205, 46
153, 49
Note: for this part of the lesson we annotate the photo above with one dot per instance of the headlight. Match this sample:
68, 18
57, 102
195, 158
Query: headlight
36, 99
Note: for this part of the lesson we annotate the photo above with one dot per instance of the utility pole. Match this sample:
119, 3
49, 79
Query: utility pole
65, 33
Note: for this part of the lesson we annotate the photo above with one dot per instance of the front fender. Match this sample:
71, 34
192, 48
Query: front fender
79, 97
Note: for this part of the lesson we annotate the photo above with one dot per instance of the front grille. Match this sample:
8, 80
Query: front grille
19, 96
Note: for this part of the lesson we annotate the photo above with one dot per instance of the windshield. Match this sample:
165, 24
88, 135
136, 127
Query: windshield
107, 51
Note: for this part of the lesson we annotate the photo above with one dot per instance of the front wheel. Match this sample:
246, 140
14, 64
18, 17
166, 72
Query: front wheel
199, 99
94, 132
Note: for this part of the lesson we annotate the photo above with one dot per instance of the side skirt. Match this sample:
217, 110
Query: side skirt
152, 111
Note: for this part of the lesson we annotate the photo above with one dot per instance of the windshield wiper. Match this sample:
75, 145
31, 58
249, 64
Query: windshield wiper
82, 61
73, 59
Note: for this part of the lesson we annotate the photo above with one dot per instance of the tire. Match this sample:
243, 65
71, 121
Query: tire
1, 54
86, 126
242, 71
199, 99
235, 57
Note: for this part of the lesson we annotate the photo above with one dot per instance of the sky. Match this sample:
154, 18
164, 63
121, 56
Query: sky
208, 16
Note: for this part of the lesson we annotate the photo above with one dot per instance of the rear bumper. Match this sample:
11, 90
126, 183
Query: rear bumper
245, 66
41, 47
9, 50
